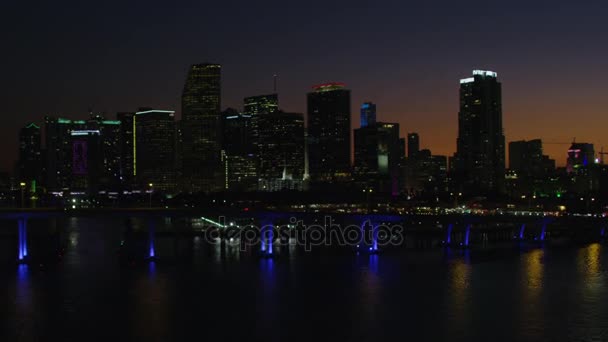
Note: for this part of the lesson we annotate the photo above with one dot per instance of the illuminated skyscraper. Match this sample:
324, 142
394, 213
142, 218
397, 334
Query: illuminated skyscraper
261, 104
480, 156
378, 157
29, 166
368, 114
239, 149
154, 160
58, 143
127, 143
329, 149
201, 129
281, 150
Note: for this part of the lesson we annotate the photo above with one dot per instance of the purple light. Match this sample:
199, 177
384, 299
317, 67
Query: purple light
521, 231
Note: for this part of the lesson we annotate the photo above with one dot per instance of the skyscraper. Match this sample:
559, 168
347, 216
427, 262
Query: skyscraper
413, 145
239, 149
329, 132
127, 144
201, 129
368, 114
154, 157
261, 104
480, 156
59, 151
527, 160
281, 146
29, 164
378, 157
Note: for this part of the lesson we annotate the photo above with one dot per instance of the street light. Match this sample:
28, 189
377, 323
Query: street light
22, 184
151, 186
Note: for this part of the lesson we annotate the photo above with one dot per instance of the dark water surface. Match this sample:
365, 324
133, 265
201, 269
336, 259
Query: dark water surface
555, 293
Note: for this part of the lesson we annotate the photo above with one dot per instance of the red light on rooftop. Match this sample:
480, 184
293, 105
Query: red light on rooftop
329, 85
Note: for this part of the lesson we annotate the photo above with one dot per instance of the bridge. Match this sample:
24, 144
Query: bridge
419, 230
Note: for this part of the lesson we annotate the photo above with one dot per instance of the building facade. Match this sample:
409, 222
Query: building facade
480, 156
202, 167
329, 142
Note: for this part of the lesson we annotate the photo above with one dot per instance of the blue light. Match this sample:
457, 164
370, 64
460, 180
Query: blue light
521, 231
466, 235
22, 239
542, 233
448, 238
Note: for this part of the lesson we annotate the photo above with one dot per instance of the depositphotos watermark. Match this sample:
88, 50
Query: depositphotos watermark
297, 233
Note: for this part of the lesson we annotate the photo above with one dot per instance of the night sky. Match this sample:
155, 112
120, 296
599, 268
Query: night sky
64, 57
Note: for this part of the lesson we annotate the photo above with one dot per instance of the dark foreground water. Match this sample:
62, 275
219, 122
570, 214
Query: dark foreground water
555, 293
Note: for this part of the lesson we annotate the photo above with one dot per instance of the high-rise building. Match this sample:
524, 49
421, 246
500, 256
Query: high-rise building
580, 155
202, 167
87, 160
527, 160
154, 157
480, 156
261, 104
280, 145
126, 147
239, 149
59, 148
329, 149
368, 114
378, 157
110, 149
413, 145
29, 165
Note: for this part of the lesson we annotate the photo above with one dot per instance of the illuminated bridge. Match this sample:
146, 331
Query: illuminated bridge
423, 231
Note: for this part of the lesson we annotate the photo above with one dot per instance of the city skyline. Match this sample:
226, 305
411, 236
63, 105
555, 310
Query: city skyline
417, 55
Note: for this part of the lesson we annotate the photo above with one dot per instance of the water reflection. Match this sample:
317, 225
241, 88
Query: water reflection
532, 286
533, 268
371, 287
459, 291
151, 307
588, 262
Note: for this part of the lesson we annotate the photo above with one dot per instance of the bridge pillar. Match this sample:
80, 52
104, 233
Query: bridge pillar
22, 240
151, 238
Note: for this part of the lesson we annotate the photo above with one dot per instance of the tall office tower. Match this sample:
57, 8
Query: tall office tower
480, 156
413, 145
87, 160
201, 129
378, 157
368, 114
154, 160
329, 150
240, 159
59, 148
110, 134
127, 144
29, 165
255, 106
281, 151
261, 104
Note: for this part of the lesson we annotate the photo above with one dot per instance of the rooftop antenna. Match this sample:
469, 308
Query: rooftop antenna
274, 79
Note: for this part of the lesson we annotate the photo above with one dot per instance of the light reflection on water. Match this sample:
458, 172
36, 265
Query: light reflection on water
554, 292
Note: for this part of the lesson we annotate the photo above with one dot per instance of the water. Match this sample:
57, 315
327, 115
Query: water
556, 293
